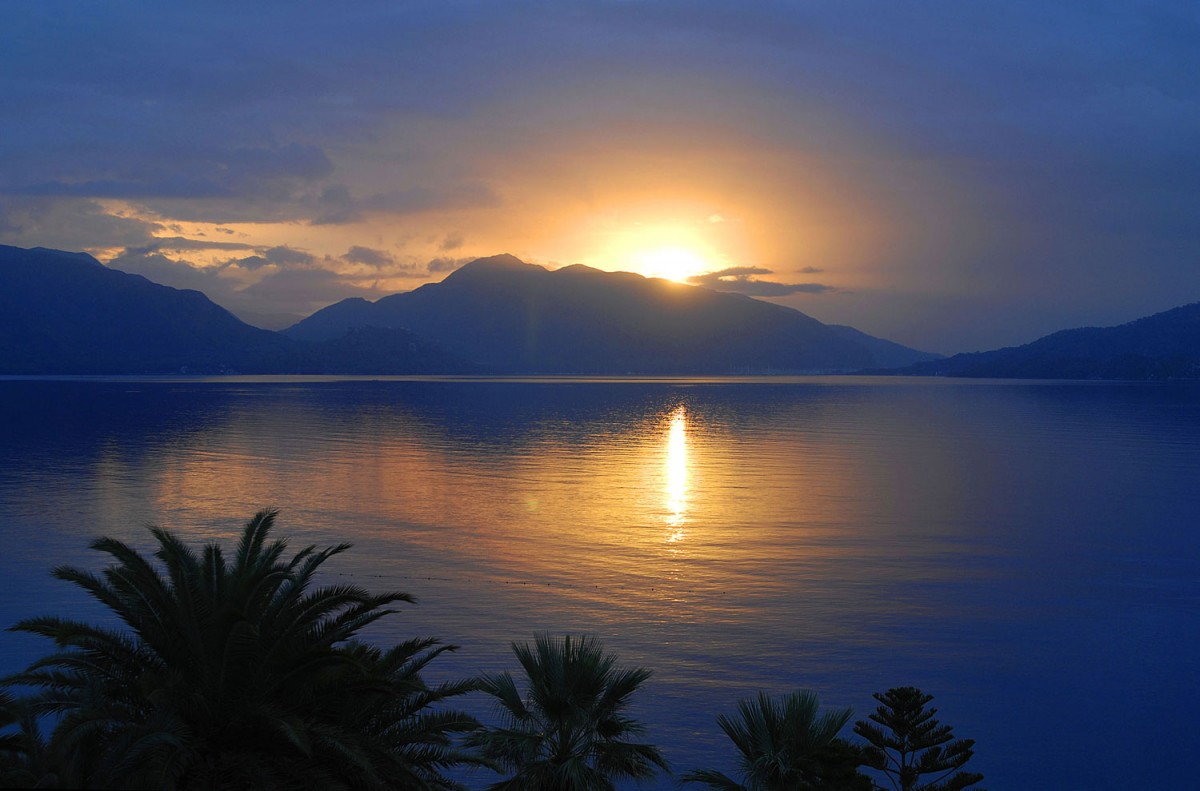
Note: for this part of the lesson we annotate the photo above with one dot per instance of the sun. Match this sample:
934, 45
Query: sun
675, 250
670, 263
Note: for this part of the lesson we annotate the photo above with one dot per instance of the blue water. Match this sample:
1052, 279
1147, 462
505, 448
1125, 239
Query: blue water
1026, 552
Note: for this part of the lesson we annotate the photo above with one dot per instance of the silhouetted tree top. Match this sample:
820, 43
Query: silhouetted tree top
907, 743
787, 744
569, 730
238, 672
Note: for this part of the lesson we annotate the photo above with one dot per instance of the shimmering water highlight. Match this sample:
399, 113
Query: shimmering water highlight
1025, 551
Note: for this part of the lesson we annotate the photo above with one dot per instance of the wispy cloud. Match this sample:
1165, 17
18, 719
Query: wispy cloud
745, 280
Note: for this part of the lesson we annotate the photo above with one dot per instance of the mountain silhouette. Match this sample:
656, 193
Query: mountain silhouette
1163, 346
66, 313
515, 317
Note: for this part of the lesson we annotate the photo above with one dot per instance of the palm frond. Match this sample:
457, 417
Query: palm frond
241, 673
568, 729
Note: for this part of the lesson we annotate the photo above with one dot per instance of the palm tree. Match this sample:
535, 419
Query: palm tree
24, 755
786, 745
569, 730
236, 673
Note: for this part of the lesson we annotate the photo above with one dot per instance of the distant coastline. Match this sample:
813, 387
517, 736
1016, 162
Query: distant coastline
66, 314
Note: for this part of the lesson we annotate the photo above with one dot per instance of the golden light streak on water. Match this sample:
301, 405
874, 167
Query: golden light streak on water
677, 475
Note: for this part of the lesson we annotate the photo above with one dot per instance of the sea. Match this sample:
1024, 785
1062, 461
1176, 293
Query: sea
1026, 552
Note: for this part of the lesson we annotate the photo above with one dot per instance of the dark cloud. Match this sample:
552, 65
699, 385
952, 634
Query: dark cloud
263, 172
369, 257
946, 78
287, 256
291, 161
251, 262
414, 200
337, 206
737, 272
744, 280
452, 241
178, 186
183, 243
71, 224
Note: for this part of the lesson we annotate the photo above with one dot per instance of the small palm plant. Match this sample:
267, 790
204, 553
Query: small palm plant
569, 731
238, 673
787, 745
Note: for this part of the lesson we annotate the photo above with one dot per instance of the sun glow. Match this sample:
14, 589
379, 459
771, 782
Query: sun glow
670, 263
671, 249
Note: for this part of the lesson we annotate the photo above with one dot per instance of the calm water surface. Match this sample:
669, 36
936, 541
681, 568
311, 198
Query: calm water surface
1027, 552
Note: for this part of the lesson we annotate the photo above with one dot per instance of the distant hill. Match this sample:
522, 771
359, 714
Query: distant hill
371, 350
66, 313
886, 354
515, 317
1163, 346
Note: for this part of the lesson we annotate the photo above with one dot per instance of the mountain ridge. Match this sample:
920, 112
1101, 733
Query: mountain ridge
1164, 345
67, 313
523, 318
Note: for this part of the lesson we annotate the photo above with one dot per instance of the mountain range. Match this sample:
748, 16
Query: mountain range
66, 313
1163, 346
521, 318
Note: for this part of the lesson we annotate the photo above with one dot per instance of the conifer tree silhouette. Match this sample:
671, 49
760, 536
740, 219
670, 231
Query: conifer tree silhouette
907, 744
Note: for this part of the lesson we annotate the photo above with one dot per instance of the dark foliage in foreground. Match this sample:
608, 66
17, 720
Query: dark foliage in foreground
231, 673
786, 745
907, 744
238, 674
570, 730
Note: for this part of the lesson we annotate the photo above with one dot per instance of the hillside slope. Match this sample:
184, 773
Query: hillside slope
1163, 346
66, 313
517, 317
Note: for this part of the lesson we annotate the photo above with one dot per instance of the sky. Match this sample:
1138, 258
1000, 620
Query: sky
951, 175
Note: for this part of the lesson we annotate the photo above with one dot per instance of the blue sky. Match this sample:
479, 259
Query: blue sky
951, 175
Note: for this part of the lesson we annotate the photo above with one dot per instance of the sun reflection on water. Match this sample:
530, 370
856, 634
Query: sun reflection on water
677, 475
